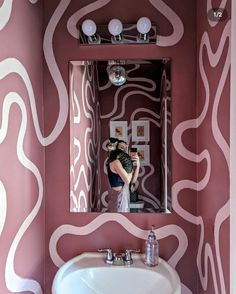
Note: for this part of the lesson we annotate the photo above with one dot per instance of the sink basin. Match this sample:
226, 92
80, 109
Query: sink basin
89, 274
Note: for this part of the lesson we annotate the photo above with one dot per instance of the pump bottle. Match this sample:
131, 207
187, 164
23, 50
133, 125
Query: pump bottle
152, 249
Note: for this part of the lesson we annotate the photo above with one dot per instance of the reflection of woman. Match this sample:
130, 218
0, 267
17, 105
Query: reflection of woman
121, 174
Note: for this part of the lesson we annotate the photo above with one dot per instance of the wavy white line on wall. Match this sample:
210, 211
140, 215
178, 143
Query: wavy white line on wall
5, 13
174, 19
149, 89
214, 60
130, 227
76, 118
223, 213
146, 110
126, 96
3, 206
13, 65
14, 282
55, 73
75, 18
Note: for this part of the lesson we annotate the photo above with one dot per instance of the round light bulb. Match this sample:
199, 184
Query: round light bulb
115, 27
89, 27
144, 25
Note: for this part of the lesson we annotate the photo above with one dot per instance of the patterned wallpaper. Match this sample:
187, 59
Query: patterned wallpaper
196, 234
84, 139
22, 214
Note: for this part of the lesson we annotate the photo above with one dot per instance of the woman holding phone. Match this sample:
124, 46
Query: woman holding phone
122, 170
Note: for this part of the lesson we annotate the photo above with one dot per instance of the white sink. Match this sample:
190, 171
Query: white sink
89, 274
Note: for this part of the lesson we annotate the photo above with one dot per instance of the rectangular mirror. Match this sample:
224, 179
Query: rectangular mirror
120, 104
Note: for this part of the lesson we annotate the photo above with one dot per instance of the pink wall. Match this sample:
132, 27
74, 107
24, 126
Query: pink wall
22, 215
187, 236
213, 118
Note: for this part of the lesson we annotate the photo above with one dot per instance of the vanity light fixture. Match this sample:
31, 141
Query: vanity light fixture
143, 27
115, 28
116, 32
89, 28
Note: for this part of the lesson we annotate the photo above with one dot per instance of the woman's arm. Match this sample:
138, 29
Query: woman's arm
116, 167
135, 160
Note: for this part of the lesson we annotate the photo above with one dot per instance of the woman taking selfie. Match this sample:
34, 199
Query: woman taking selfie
122, 170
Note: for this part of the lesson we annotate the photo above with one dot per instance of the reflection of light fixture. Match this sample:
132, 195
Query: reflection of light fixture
89, 28
117, 74
143, 27
115, 28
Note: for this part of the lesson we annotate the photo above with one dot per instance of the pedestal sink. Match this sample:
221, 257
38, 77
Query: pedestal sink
89, 274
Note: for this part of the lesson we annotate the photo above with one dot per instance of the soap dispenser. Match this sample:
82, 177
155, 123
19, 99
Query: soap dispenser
152, 249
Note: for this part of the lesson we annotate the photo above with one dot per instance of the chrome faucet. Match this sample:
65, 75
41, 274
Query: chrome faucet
109, 256
119, 258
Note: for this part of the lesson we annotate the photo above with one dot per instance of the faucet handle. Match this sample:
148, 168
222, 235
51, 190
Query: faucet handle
109, 256
128, 255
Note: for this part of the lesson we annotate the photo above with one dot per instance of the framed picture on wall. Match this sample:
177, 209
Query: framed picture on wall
143, 153
140, 130
119, 129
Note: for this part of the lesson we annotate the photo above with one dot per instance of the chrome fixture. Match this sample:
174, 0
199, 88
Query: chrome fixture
119, 258
118, 33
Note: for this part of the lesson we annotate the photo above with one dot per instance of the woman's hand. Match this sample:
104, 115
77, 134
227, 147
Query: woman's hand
135, 159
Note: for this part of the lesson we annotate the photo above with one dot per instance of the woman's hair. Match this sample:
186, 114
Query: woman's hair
122, 141
112, 144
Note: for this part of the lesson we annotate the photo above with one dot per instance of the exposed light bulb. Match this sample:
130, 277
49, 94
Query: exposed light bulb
144, 25
89, 27
115, 27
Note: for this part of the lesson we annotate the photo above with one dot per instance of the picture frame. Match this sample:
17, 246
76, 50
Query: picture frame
144, 154
119, 130
140, 131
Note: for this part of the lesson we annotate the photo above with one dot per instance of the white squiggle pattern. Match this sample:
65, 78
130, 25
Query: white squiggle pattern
3, 205
126, 96
74, 19
125, 223
13, 65
55, 73
155, 202
174, 19
110, 114
88, 141
5, 13
214, 59
78, 116
223, 213
14, 282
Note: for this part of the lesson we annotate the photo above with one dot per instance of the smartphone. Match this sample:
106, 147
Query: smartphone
133, 149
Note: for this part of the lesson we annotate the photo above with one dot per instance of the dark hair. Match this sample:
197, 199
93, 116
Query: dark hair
113, 140
122, 141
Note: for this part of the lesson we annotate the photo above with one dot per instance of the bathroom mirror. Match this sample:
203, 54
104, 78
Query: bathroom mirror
129, 100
